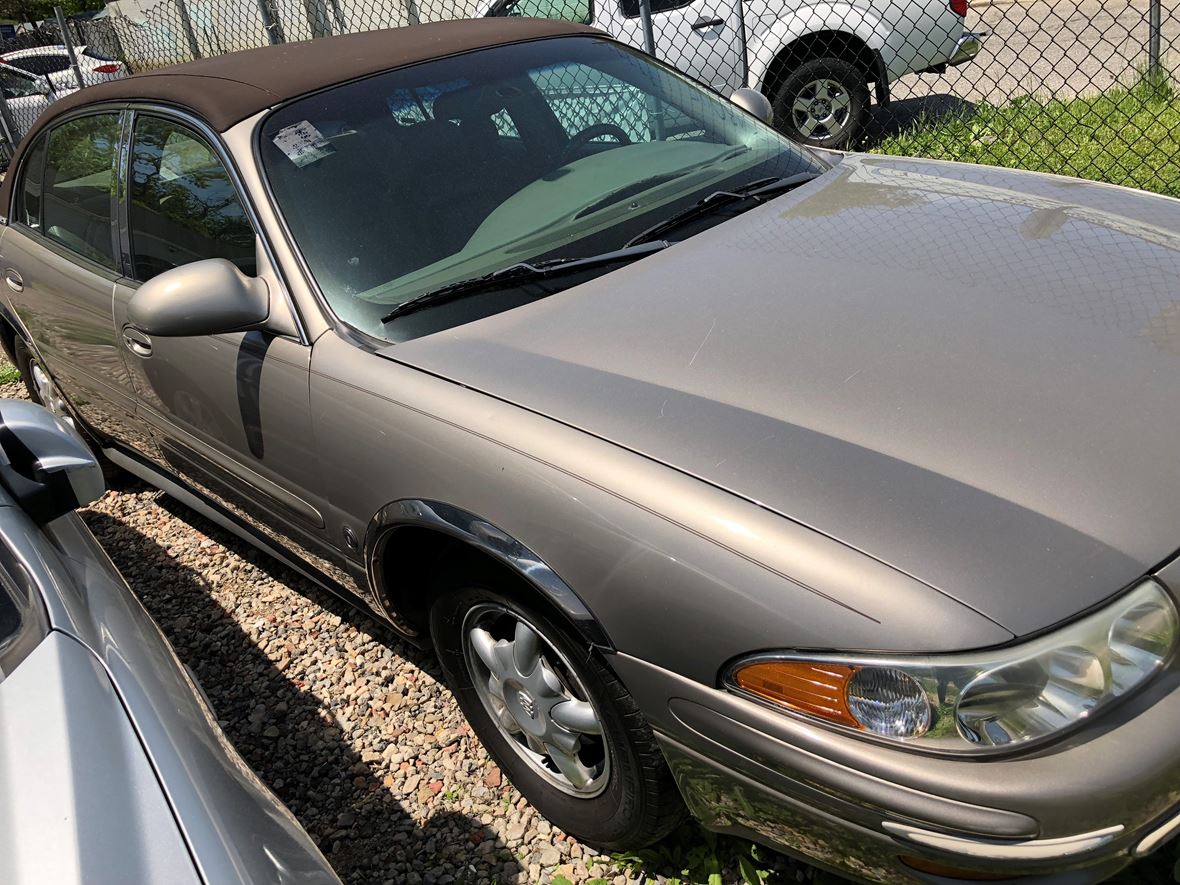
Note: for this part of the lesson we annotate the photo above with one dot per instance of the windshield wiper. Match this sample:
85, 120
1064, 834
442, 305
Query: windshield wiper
521, 273
755, 190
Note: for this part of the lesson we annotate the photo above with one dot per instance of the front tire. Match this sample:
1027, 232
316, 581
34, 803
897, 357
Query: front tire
556, 719
824, 103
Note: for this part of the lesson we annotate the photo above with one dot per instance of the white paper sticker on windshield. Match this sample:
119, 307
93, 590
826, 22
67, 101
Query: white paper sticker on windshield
303, 144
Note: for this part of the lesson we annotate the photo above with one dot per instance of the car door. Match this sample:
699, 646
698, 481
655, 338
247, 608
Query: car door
227, 413
58, 259
703, 38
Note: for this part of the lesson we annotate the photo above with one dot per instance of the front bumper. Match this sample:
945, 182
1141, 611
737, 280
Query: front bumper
1072, 812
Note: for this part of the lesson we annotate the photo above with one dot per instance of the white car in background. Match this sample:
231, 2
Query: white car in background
26, 96
31, 79
53, 62
814, 60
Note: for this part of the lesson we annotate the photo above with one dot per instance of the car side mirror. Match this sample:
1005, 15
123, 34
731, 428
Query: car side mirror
207, 297
754, 102
44, 465
42, 87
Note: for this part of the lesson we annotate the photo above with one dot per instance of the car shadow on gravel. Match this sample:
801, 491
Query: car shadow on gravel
290, 737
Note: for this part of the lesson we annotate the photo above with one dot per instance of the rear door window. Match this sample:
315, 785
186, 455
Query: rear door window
28, 205
77, 186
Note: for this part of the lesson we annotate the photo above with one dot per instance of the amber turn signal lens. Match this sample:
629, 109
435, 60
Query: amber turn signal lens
815, 689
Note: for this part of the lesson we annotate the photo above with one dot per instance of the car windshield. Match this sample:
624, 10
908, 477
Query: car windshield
401, 183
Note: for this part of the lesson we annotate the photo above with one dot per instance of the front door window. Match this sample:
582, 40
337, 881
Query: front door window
184, 206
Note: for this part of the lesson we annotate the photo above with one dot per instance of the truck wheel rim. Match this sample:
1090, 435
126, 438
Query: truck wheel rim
536, 700
821, 109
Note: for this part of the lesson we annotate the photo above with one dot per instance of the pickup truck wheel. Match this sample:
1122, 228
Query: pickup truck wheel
556, 720
823, 102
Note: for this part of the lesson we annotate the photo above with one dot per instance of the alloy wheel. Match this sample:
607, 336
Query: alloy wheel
822, 109
536, 700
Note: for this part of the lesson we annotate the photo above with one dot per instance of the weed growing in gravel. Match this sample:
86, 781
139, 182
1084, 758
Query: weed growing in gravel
694, 856
8, 373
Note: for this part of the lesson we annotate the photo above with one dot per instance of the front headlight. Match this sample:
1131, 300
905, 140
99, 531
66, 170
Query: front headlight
976, 702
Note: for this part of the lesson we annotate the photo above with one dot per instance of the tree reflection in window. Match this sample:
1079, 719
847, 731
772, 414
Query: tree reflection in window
184, 206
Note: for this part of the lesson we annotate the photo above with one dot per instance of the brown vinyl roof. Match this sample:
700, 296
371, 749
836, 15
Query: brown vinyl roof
229, 88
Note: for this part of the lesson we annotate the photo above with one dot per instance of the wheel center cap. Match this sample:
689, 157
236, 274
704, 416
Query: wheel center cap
821, 108
527, 704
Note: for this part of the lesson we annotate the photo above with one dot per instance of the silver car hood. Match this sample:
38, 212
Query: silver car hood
971, 374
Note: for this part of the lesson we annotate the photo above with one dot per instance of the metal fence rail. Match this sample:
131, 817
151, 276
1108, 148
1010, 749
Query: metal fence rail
1085, 87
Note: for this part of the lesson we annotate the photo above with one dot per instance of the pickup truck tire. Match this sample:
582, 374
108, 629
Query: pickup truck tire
823, 102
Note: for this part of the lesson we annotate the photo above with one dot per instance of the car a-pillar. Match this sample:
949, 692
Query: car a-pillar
529, 666
819, 87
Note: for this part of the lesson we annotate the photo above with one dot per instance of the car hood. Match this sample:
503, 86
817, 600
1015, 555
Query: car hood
971, 374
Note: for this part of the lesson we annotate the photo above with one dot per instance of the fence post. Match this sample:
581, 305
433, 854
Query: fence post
655, 107
412, 15
649, 35
8, 134
317, 18
1153, 41
186, 23
745, 48
69, 44
270, 23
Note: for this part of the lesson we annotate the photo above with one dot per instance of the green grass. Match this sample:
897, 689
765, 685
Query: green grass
8, 372
695, 856
1128, 136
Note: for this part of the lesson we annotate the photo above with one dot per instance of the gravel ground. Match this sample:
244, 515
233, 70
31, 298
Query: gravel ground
353, 729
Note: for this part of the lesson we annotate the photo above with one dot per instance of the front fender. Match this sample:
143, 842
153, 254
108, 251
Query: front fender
677, 572
481, 535
764, 43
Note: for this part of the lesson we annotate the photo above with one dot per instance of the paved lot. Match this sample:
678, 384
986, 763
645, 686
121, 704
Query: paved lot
1060, 49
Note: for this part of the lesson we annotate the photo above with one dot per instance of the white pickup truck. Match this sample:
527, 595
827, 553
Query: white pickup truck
815, 61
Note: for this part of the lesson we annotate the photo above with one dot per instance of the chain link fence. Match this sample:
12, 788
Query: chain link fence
1079, 87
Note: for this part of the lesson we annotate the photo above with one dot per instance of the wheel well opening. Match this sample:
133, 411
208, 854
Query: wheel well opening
840, 44
414, 565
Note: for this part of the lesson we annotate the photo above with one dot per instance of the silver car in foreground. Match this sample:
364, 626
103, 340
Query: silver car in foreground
834, 498
112, 768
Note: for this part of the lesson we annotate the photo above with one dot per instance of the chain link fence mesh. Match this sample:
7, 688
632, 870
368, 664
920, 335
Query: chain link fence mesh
1078, 87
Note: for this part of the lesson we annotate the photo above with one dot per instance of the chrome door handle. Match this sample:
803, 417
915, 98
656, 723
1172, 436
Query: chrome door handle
702, 23
137, 342
15, 282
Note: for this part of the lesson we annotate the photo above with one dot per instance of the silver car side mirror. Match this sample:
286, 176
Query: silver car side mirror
44, 465
207, 297
754, 102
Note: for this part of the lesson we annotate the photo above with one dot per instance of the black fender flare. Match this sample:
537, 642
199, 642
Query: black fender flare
485, 537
